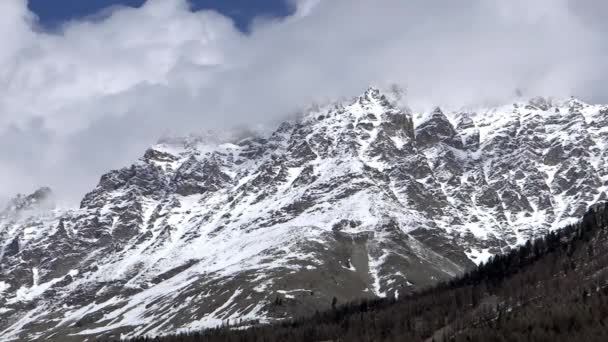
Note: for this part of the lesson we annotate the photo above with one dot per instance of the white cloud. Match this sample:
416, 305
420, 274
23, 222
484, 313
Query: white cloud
91, 97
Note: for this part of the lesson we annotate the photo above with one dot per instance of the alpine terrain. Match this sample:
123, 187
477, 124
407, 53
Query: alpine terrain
357, 199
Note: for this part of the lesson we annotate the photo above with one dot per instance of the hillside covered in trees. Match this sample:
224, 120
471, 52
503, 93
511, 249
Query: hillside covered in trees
551, 289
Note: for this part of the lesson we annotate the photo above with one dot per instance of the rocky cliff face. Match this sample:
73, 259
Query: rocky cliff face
353, 200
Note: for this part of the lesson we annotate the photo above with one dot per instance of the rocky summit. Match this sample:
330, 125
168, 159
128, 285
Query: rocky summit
355, 199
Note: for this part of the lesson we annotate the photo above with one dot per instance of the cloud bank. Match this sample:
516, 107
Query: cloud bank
93, 95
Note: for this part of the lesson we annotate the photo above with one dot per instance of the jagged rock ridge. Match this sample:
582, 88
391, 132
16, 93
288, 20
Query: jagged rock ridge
353, 200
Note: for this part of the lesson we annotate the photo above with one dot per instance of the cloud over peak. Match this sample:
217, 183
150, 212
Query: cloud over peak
92, 96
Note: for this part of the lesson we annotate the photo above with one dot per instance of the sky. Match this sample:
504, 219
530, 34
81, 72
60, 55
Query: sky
52, 14
83, 91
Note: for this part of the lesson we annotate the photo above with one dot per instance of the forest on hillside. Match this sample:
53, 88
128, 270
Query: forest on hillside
552, 289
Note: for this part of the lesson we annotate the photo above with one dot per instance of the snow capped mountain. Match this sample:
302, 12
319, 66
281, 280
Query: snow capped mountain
355, 199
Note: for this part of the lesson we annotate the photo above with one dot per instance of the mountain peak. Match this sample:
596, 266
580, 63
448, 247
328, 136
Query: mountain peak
41, 198
437, 112
465, 122
372, 91
575, 103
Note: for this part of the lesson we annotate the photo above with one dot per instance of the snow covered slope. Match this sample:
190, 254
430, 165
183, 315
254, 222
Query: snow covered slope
352, 200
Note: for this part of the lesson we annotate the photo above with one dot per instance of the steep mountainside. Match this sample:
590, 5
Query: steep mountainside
353, 200
554, 288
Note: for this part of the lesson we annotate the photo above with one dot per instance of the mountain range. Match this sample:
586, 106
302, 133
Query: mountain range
359, 198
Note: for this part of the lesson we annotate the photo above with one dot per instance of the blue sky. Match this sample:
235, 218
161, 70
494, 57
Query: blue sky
52, 13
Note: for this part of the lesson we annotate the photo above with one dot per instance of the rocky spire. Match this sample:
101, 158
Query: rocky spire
437, 128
